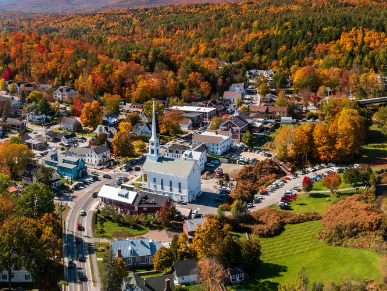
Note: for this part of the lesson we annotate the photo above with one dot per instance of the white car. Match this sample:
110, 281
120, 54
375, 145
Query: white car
210, 165
250, 205
83, 213
215, 161
34, 132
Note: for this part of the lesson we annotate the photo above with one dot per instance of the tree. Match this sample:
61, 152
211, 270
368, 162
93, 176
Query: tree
148, 109
8, 74
220, 212
302, 281
324, 142
211, 274
110, 278
351, 176
139, 146
5, 182
206, 238
383, 269
244, 109
43, 106
228, 252
31, 107
250, 253
44, 175
4, 168
302, 143
174, 246
248, 139
15, 140
163, 259
21, 234
133, 118
332, 182
113, 104
307, 184
182, 252
123, 269
215, 123
238, 102
17, 156
122, 141
92, 114
166, 214
35, 97
282, 100
5, 109
36, 200
263, 89
100, 139
12, 88
3, 85
283, 142
23, 97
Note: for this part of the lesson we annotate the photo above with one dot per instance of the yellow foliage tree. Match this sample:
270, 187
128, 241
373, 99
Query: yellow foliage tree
206, 238
122, 141
92, 114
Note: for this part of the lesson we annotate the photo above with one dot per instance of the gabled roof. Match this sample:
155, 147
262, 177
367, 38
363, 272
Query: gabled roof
199, 148
179, 147
101, 149
25, 137
231, 94
69, 120
239, 121
150, 200
14, 121
135, 247
236, 270
55, 134
78, 151
256, 108
154, 283
70, 135
185, 121
169, 167
184, 268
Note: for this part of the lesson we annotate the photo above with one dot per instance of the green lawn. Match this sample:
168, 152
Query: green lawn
318, 186
110, 227
298, 246
97, 246
376, 147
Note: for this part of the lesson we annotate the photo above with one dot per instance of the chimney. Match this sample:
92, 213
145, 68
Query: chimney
119, 253
167, 285
144, 281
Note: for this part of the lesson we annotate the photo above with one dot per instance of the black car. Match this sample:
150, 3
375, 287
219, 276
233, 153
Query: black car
81, 277
95, 195
107, 176
137, 168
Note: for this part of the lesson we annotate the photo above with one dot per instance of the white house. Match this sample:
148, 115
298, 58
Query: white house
207, 112
69, 138
95, 156
178, 179
64, 92
69, 123
185, 124
198, 154
216, 141
233, 96
36, 118
184, 272
18, 276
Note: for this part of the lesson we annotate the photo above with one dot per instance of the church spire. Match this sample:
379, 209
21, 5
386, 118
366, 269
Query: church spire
154, 148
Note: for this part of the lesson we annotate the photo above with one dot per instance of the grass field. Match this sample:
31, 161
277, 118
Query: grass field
298, 246
376, 147
318, 186
110, 227
97, 246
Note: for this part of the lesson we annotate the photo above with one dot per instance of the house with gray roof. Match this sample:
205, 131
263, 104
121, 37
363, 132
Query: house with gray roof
15, 124
133, 282
69, 123
69, 138
184, 272
64, 92
141, 128
175, 151
190, 225
95, 156
135, 252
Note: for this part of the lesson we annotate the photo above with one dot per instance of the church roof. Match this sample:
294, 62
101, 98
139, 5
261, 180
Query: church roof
169, 167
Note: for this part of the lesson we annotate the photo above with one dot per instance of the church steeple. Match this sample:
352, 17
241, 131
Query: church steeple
154, 148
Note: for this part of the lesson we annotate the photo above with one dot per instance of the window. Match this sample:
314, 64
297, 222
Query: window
170, 186
152, 144
154, 180
179, 187
146, 259
152, 151
137, 259
107, 200
162, 184
28, 277
4, 277
113, 202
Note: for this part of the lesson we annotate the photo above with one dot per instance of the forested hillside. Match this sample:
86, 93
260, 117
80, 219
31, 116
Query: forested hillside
333, 43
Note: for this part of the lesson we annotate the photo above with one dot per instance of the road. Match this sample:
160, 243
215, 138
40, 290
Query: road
86, 202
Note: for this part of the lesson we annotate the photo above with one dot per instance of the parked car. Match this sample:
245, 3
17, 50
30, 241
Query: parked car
71, 264
215, 161
107, 176
210, 165
80, 258
79, 226
68, 190
80, 276
137, 168
250, 205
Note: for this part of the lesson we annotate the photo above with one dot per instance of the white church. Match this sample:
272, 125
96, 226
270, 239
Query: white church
178, 179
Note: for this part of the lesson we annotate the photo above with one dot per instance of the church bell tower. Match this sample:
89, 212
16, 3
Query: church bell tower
154, 147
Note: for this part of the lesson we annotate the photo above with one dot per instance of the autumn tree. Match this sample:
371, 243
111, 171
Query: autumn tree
35, 201
3, 85
206, 238
324, 142
263, 89
183, 251
282, 100
112, 104
238, 209
307, 184
139, 146
215, 123
332, 182
211, 275
12, 88
302, 281
17, 156
122, 267
4, 168
283, 142
92, 114
169, 124
163, 259
35, 97
133, 118
302, 143
166, 214
15, 140
228, 252
148, 109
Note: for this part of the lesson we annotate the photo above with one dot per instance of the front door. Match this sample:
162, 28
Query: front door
237, 277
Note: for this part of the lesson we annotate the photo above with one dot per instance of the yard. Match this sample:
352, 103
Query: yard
375, 151
298, 246
110, 227
318, 186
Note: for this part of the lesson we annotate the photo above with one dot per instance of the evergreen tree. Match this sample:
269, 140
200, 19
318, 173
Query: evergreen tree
110, 279
174, 246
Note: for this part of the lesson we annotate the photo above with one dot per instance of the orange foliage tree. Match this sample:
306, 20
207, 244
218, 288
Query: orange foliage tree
211, 274
332, 182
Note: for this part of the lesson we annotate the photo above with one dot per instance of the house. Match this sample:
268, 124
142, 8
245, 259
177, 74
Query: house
142, 129
233, 96
69, 138
216, 141
111, 119
18, 276
103, 129
190, 225
198, 154
72, 167
24, 86
195, 117
175, 151
133, 282
15, 124
64, 92
175, 178
34, 143
207, 112
238, 87
236, 274
69, 124
44, 87
29, 176
36, 118
54, 135
183, 213
270, 112
135, 252
131, 201
288, 120
237, 124
184, 271
96, 156
185, 124
13, 101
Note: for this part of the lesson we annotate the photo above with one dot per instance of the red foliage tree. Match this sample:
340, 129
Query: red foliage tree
8, 74
78, 106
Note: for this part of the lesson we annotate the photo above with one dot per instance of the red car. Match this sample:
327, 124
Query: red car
263, 192
292, 197
68, 190
287, 178
57, 194
286, 199
79, 226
